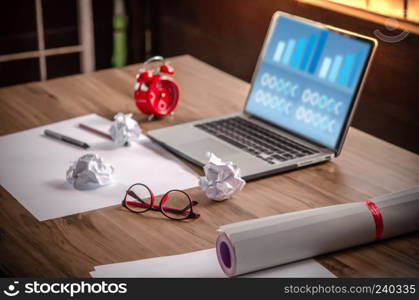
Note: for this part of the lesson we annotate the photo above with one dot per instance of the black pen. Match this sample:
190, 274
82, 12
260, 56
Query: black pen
64, 138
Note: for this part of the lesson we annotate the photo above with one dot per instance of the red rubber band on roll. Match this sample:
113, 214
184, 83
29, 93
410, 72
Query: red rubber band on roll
378, 219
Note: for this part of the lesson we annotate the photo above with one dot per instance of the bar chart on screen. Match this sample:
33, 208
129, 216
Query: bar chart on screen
309, 54
307, 79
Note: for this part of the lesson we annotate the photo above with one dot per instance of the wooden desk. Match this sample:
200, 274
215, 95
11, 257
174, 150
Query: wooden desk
72, 245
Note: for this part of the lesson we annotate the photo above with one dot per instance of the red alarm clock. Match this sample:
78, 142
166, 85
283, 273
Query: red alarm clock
156, 92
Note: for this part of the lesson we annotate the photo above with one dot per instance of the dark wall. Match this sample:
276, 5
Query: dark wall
18, 34
229, 35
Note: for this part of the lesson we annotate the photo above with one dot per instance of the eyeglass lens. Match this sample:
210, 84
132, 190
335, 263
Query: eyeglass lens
176, 205
138, 198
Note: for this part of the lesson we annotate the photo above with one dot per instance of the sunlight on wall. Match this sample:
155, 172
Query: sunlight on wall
402, 9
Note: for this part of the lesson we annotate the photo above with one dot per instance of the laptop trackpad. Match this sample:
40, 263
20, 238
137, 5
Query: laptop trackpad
198, 149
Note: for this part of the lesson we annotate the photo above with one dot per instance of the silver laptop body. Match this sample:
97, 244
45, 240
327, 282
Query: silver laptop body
192, 143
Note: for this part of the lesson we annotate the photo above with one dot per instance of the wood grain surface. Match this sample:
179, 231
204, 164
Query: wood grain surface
71, 246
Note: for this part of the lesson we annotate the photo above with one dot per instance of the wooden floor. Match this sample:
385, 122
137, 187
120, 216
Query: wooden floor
71, 246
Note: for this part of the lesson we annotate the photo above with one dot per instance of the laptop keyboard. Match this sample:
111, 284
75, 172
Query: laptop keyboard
256, 140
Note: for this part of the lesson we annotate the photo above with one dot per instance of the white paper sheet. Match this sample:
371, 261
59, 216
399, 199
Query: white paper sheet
202, 264
33, 168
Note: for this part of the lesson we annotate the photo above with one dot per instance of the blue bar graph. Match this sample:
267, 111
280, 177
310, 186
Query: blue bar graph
288, 52
318, 52
346, 69
335, 68
298, 52
279, 50
359, 58
307, 54
324, 69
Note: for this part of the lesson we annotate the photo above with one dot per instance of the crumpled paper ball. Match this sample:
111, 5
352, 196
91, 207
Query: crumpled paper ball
222, 179
89, 171
124, 129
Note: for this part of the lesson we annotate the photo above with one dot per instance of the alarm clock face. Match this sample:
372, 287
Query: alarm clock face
156, 93
166, 95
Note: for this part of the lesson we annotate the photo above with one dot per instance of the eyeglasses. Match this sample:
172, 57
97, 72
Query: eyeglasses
175, 204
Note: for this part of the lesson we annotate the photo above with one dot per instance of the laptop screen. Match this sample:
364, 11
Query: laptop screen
308, 78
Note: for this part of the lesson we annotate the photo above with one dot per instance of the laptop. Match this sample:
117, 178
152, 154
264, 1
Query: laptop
303, 95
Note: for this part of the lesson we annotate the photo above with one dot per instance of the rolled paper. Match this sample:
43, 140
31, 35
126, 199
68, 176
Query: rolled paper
266, 242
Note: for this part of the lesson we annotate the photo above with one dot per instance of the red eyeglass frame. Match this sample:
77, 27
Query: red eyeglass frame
190, 215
